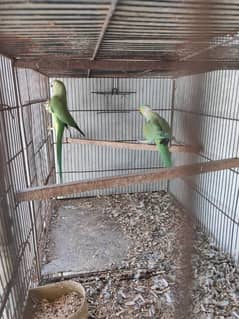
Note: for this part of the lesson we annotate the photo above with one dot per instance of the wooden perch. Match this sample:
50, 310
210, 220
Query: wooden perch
51, 191
134, 146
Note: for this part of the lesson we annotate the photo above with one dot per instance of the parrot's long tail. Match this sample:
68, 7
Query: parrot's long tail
164, 152
59, 136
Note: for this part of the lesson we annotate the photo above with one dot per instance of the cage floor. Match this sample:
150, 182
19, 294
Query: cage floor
148, 273
83, 238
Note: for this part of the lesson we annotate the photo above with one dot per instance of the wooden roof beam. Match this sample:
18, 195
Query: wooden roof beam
103, 30
104, 27
51, 191
61, 64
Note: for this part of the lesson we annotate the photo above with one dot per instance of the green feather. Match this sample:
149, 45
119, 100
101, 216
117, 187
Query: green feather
59, 129
59, 89
164, 153
61, 118
58, 107
155, 130
152, 131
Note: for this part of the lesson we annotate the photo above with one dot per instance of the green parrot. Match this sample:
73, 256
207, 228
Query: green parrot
157, 130
61, 118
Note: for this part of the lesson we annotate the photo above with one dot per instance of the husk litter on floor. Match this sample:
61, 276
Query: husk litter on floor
147, 284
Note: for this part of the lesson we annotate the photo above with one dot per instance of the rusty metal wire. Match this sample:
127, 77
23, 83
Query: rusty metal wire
25, 141
215, 195
203, 109
206, 113
167, 31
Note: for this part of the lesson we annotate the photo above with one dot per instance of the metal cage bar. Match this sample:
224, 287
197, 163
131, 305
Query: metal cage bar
26, 160
214, 195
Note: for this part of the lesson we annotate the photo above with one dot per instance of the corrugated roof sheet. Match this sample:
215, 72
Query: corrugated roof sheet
166, 31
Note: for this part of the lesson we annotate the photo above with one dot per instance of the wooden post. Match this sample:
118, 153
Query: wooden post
51, 191
134, 146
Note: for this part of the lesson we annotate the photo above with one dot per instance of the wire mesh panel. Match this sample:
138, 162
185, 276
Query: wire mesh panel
107, 109
36, 122
21, 224
12, 215
211, 99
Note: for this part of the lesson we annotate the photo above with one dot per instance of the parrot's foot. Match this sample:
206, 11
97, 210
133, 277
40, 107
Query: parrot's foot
68, 129
173, 139
47, 106
164, 141
164, 135
50, 128
145, 142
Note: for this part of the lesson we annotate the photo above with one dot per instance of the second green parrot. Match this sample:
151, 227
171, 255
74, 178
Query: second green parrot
61, 118
157, 130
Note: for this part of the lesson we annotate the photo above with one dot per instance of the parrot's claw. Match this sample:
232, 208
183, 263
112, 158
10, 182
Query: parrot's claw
47, 106
144, 142
173, 139
68, 129
165, 135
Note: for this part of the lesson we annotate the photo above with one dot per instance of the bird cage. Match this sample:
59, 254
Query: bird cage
179, 57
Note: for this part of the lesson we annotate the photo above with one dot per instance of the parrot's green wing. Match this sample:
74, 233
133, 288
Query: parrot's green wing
59, 109
152, 131
158, 131
59, 127
158, 120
